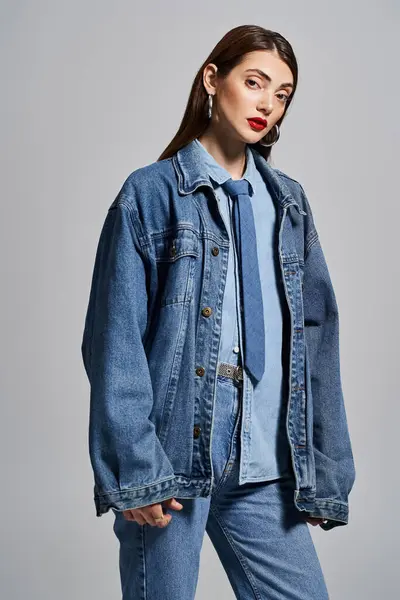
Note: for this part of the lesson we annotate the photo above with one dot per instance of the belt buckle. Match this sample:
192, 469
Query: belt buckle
237, 374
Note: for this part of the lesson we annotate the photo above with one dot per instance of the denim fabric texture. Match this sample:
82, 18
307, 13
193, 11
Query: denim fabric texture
268, 455
262, 540
152, 335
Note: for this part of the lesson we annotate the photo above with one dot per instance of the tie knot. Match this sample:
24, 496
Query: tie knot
236, 187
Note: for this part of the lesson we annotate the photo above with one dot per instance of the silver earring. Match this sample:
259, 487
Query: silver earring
210, 103
274, 142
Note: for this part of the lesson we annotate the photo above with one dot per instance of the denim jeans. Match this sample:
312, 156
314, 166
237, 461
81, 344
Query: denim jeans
262, 540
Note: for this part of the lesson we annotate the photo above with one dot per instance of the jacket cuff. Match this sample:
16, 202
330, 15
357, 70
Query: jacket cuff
336, 513
135, 497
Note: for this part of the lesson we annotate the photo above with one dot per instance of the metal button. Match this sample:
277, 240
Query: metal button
215, 251
236, 349
172, 250
196, 431
200, 371
207, 311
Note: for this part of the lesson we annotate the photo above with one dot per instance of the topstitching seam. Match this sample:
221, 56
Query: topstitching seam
240, 557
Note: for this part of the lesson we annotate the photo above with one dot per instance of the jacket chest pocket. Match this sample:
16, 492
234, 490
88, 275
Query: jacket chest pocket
176, 254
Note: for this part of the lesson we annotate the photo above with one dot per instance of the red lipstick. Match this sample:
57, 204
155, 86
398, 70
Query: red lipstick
257, 123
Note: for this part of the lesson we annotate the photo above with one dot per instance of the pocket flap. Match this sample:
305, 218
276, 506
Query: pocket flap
172, 246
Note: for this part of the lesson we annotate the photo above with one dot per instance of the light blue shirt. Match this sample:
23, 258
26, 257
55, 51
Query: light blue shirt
268, 423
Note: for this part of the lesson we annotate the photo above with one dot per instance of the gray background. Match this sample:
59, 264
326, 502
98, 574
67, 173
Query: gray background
93, 90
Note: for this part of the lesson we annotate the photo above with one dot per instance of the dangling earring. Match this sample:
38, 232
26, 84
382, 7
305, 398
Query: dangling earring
274, 142
210, 103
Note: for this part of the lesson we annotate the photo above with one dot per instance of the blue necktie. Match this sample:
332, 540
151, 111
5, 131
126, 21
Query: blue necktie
245, 238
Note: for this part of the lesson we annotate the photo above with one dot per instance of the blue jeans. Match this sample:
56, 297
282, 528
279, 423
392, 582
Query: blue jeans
262, 540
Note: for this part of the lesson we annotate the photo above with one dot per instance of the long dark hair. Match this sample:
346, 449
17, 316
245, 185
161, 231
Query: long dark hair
228, 53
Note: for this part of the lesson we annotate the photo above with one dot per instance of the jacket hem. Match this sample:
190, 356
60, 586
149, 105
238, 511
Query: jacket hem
336, 513
173, 487
135, 497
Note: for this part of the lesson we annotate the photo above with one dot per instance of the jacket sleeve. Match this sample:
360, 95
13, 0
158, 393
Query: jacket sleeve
334, 462
130, 466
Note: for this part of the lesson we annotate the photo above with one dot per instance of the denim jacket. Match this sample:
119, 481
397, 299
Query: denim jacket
151, 343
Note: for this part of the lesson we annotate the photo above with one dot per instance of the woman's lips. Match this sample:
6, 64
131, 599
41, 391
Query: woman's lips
257, 124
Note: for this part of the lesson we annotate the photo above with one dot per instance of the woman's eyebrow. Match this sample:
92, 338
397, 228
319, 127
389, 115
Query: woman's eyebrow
268, 78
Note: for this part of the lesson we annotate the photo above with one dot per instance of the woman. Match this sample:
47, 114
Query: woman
212, 350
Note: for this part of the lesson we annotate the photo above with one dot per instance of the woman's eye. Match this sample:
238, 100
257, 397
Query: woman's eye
284, 97
252, 81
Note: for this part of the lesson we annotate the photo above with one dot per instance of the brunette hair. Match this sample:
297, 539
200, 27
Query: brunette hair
226, 55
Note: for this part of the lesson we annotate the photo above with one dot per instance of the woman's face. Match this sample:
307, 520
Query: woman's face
246, 93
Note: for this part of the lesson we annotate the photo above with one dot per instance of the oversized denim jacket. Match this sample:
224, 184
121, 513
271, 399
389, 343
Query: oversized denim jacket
151, 343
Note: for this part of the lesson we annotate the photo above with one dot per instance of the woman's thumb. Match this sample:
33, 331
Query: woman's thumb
174, 504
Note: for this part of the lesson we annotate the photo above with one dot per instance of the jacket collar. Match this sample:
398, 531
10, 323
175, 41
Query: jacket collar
187, 163
218, 174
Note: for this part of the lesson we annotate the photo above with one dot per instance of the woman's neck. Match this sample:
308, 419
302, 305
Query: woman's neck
229, 155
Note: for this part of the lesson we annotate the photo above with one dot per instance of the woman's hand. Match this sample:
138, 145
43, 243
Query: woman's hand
147, 514
314, 520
